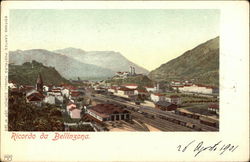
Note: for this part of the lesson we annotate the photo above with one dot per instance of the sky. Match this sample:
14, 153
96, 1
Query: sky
147, 37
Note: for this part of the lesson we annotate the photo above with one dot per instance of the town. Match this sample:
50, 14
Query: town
101, 106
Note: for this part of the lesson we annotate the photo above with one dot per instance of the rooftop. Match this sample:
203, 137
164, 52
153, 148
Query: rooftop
130, 84
174, 96
107, 109
214, 106
163, 103
125, 89
158, 94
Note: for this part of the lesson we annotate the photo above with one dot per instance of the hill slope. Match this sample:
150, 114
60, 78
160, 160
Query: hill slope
111, 60
27, 73
141, 80
200, 64
75, 53
66, 66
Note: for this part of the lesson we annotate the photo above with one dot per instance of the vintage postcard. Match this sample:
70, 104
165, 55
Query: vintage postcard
124, 81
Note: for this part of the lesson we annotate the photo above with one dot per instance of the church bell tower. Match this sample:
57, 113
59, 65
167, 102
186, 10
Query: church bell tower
39, 83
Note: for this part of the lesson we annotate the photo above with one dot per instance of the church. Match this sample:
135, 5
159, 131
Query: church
35, 96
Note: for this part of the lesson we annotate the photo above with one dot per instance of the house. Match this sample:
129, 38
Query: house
57, 93
198, 88
26, 88
122, 74
130, 86
177, 87
108, 112
155, 97
65, 92
75, 113
47, 88
174, 99
124, 92
176, 83
187, 82
113, 89
76, 96
151, 88
59, 99
214, 108
141, 93
50, 99
70, 106
17, 92
165, 106
81, 90
34, 97
12, 85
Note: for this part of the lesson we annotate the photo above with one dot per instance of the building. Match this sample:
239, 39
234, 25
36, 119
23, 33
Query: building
130, 86
76, 96
26, 88
174, 99
176, 83
151, 88
122, 74
58, 95
12, 85
165, 106
112, 89
140, 92
132, 70
108, 112
124, 92
70, 106
50, 99
155, 97
39, 83
75, 113
198, 88
214, 108
65, 92
34, 97
47, 88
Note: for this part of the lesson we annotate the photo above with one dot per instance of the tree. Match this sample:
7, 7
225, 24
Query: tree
28, 117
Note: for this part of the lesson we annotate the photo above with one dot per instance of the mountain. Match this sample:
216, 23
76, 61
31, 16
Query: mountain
26, 74
200, 64
111, 60
75, 53
68, 67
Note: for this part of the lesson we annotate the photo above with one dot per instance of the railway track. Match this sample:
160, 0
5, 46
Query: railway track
184, 119
163, 113
161, 124
157, 123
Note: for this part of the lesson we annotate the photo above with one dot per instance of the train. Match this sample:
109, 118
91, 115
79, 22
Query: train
203, 120
191, 125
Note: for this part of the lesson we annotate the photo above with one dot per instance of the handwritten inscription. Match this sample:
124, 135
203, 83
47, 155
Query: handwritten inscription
199, 147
